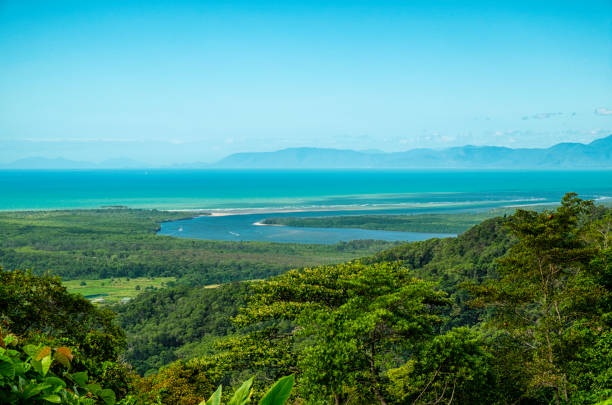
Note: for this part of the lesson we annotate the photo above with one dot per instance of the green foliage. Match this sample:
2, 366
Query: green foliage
472, 256
96, 244
450, 367
382, 329
26, 377
41, 311
243, 393
353, 321
179, 322
31, 305
549, 299
215, 398
278, 394
433, 223
180, 383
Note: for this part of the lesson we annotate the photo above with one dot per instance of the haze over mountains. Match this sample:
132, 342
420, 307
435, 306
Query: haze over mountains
43, 163
595, 155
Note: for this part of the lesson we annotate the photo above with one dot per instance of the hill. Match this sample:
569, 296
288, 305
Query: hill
595, 155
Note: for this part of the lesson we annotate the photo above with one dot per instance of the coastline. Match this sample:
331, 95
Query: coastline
259, 223
476, 204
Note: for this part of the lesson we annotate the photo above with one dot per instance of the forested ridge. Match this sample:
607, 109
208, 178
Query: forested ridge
516, 310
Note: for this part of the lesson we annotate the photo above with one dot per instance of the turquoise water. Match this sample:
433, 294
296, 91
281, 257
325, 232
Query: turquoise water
265, 189
256, 193
245, 228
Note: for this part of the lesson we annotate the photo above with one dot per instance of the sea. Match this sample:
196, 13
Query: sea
241, 198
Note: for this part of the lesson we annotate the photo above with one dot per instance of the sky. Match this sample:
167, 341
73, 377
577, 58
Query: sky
166, 82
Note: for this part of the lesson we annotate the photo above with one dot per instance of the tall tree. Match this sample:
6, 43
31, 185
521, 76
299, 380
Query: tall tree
353, 322
547, 294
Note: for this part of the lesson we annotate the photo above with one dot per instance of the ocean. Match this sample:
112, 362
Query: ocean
255, 193
291, 189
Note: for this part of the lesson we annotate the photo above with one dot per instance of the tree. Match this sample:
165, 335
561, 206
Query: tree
35, 305
450, 368
548, 295
352, 322
39, 310
27, 376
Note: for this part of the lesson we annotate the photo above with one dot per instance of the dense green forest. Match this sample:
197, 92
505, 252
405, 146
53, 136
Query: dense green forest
179, 322
176, 322
94, 244
516, 310
433, 223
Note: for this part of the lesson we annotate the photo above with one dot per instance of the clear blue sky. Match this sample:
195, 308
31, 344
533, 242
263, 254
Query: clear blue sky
181, 81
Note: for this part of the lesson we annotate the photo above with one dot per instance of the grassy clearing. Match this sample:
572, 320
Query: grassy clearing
113, 290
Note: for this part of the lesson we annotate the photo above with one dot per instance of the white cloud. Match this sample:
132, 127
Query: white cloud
542, 116
80, 140
603, 111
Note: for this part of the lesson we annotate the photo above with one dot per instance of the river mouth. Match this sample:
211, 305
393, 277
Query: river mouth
248, 227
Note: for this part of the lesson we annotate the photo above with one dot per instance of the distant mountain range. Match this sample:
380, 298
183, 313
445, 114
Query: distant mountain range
65, 164
595, 155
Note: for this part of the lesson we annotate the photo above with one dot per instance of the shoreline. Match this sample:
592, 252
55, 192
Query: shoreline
222, 212
259, 223
417, 206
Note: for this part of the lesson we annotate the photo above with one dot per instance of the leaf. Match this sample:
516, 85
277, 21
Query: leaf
42, 353
108, 396
64, 356
33, 389
242, 394
45, 364
94, 388
7, 370
10, 339
80, 378
55, 381
215, 398
279, 393
52, 398
37, 365
30, 350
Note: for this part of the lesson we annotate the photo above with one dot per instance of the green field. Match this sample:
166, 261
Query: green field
113, 290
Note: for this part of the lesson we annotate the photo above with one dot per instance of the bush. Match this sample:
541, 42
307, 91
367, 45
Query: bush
26, 376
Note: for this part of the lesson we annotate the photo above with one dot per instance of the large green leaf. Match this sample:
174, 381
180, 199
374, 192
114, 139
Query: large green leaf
37, 366
94, 388
7, 370
34, 389
215, 398
243, 394
54, 381
52, 398
46, 363
108, 396
30, 350
80, 378
279, 393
